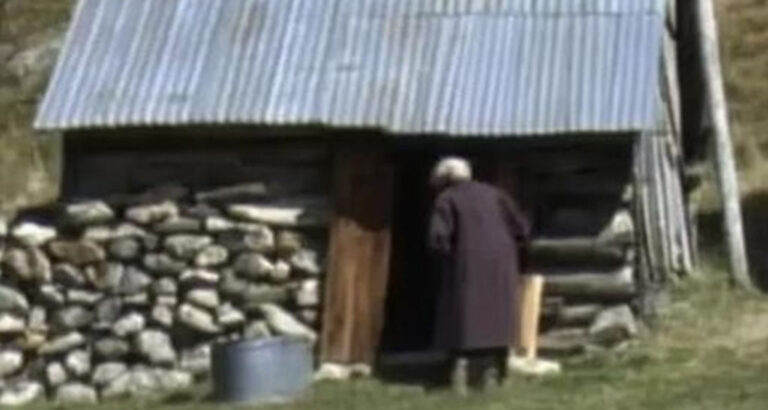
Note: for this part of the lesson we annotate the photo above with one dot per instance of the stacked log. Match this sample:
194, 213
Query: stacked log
592, 279
125, 296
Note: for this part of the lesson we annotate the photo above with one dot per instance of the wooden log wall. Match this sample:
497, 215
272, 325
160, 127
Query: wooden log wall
581, 201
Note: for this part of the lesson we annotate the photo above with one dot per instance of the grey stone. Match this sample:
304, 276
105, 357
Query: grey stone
149, 214
213, 255
78, 253
199, 276
129, 324
288, 242
309, 316
238, 193
11, 361
156, 347
83, 297
12, 300
28, 264
231, 285
62, 344
162, 315
261, 240
306, 261
105, 233
613, 325
32, 340
282, 215
186, 247
205, 298
197, 319
281, 271
253, 265
106, 276
111, 348
55, 374
257, 294
219, 224
178, 225
124, 249
3, 226
51, 295
151, 242
106, 372
143, 382
256, 330
283, 323
88, 213
108, 310
162, 264
228, 316
134, 281
76, 393
167, 300
11, 324
21, 393
197, 360
38, 319
71, 318
308, 293
78, 362
33, 234
68, 275
202, 211
164, 286
138, 299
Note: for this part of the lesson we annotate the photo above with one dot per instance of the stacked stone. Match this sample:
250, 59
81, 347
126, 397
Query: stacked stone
125, 297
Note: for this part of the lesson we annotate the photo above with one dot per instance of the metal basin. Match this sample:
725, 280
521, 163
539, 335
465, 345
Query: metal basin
274, 370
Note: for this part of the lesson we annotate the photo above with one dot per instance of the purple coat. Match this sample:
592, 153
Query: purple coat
476, 233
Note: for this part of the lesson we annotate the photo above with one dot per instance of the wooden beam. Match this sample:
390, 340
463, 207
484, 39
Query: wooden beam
595, 285
726, 167
584, 251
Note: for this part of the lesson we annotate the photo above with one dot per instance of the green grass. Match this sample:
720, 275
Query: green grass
710, 352
744, 38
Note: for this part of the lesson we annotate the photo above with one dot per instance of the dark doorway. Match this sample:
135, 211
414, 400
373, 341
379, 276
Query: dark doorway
413, 281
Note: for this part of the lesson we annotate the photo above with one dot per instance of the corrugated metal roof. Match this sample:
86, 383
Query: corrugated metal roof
462, 67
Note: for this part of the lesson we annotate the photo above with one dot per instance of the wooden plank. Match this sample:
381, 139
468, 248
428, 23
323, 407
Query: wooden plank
726, 165
359, 256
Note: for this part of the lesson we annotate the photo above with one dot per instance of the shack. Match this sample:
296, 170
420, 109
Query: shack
320, 119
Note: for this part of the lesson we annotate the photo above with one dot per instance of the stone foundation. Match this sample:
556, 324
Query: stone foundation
124, 296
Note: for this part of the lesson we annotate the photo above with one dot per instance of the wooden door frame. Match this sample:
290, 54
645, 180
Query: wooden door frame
359, 254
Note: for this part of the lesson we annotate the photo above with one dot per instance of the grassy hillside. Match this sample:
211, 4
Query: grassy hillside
28, 162
744, 36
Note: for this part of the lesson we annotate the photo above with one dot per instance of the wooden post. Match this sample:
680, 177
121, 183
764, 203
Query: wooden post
356, 286
726, 167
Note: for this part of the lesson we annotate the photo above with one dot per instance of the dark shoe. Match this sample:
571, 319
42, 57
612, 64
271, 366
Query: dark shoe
460, 377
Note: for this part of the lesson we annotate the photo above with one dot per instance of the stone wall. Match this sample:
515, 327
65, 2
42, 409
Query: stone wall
125, 296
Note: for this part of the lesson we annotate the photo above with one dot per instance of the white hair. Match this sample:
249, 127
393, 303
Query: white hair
451, 170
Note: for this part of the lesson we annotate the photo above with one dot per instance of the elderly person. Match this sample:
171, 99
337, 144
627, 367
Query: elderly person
475, 233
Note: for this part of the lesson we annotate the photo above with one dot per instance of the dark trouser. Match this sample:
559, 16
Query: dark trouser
483, 360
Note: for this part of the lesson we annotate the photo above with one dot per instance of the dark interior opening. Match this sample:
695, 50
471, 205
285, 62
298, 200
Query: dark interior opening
413, 280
